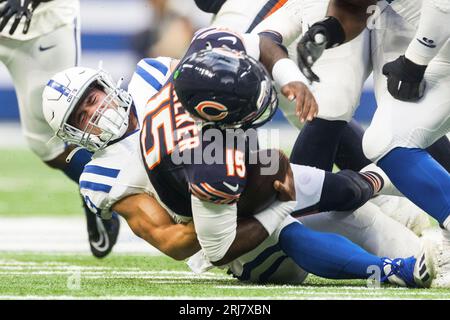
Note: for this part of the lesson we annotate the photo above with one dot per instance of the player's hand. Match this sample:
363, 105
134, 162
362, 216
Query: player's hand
405, 79
305, 105
286, 188
309, 49
18, 9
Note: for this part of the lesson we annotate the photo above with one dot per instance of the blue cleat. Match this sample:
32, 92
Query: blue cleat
411, 272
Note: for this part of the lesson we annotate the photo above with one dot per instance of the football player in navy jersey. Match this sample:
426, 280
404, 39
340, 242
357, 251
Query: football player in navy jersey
234, 90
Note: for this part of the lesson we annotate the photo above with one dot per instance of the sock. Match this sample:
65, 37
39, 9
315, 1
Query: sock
325, 254
317, 143
421, 179
75, 167
440, 151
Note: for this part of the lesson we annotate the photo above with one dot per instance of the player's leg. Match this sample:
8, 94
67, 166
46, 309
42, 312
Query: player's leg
396, 144
440, 151
35, 61
267, 263
319, 191
336, 95
333, 256
369, 228
350, 154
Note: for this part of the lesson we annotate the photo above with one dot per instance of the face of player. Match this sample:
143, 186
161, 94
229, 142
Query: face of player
84, 112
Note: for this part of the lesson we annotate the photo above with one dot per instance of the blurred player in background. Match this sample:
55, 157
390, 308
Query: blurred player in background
37, 39
414, 103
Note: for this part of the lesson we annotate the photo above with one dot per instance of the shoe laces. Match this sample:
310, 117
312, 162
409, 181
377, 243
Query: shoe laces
395, 267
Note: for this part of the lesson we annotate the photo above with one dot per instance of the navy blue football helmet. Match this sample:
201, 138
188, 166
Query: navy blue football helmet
225, 88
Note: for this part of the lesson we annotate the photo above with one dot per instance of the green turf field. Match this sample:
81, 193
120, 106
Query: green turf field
28, 188
149, 277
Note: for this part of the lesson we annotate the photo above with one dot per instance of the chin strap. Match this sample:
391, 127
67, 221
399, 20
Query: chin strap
72, 153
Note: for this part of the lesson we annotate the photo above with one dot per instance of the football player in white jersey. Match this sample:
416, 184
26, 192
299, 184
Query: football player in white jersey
116, 178
37, 39
414, 104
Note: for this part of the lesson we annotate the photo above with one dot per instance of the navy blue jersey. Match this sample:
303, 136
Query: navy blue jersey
171, 143
183, 160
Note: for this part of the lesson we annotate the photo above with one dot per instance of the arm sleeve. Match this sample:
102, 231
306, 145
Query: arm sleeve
215, 225
432, 33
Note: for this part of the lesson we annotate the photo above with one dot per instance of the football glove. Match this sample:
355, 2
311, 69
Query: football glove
18, 9
322, 35
405, 79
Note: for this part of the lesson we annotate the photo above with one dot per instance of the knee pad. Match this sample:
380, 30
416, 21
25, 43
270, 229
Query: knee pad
356, 192
336, 102
376, 143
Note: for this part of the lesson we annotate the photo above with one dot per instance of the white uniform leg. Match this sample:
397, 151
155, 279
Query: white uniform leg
403, 124
267, 263
369, 228
31, 63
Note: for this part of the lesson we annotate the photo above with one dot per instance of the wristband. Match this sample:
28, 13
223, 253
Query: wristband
271, 217
285, 70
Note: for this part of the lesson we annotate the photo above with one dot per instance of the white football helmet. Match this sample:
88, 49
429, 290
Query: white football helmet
62, 95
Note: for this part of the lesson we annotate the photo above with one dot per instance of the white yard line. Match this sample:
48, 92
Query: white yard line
65, 297
54, 234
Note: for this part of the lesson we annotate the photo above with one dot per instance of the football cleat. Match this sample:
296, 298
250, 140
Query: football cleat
413, 272
102, 233
443, 261
404, 211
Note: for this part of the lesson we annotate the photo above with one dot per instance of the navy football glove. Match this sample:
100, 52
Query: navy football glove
405, 79
18, 9
309, 49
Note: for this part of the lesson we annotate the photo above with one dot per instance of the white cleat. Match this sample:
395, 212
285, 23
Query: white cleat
404, 211
443, 261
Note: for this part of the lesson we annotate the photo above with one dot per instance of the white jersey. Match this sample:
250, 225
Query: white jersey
47, 17
118, 171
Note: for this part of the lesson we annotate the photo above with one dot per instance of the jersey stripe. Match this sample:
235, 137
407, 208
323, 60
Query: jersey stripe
95, 186
218, 193
157, 65
264, 277
263, 256
270, 7
101, 171
144, 74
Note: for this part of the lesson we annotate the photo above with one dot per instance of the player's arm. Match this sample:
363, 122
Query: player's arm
273, 55
345, 20
405, 75
224, 237
151, 222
